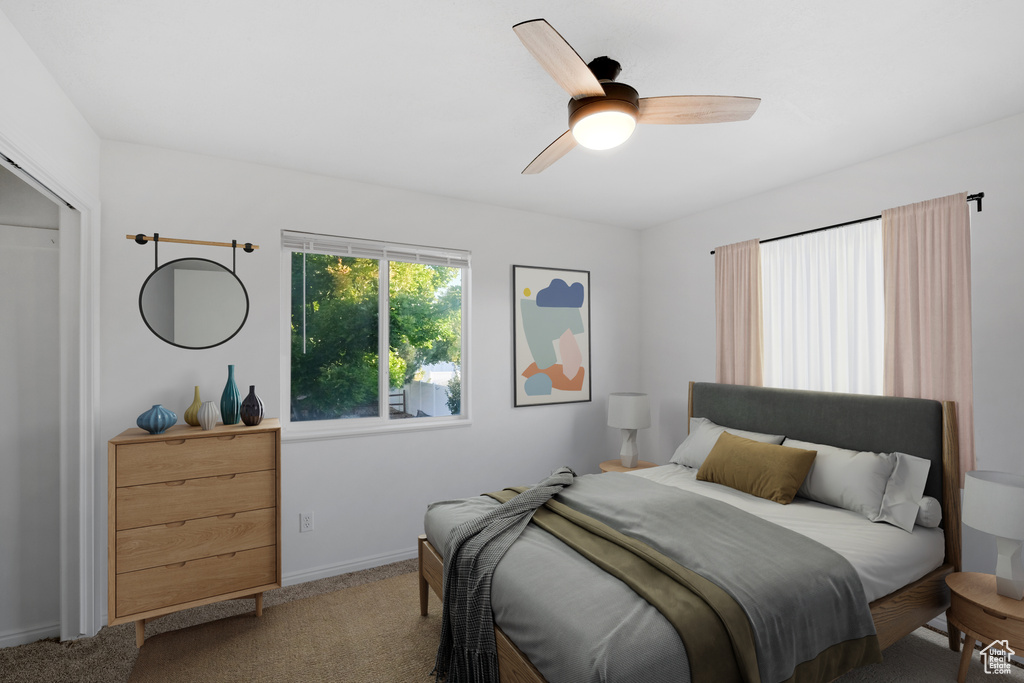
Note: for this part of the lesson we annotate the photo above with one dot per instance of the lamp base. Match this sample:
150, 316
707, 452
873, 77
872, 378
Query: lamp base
1009, 569
629, 456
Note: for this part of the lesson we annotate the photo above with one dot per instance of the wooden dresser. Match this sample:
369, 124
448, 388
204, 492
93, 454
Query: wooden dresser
194, 518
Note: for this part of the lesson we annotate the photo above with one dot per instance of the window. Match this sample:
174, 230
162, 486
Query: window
824, 310
354, 302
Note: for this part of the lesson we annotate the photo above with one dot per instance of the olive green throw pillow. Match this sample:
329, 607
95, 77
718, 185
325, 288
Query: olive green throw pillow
760, 469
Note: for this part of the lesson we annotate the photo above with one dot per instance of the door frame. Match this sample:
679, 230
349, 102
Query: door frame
79, 384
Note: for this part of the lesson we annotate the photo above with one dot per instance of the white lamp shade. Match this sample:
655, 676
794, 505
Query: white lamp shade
629, 410
994, 503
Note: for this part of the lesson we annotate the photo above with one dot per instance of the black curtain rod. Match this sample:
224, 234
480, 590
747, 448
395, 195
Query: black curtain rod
971, 198
36, 180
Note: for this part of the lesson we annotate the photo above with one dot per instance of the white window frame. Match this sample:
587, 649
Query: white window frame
312, 430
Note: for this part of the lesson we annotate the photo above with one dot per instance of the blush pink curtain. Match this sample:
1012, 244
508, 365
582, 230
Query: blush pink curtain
927, 253
738, 323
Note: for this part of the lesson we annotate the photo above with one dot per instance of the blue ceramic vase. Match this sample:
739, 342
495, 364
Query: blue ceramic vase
156, 420
252, 408
230, 400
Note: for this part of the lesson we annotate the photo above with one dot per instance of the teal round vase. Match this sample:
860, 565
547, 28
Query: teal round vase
230, 400
252, 408
156, 420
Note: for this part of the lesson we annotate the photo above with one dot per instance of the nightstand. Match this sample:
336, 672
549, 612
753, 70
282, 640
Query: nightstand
982, 614
616, 466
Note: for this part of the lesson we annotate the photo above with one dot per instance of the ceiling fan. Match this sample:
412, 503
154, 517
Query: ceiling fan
602, 112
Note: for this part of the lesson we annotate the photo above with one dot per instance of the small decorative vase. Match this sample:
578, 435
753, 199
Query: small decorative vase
192, 412
230, 400
156, 420
252, 408
207, 415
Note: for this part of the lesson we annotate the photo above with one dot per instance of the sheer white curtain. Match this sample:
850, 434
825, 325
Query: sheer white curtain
824, 310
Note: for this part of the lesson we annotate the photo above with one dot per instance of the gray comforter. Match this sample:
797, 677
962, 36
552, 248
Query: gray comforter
577, 623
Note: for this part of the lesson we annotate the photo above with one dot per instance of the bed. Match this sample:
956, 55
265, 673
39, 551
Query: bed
926, 429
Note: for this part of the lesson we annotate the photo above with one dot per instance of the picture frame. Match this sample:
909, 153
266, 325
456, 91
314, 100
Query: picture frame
550, 336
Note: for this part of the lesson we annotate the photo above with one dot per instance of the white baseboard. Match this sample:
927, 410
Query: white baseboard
326, 571
21, 637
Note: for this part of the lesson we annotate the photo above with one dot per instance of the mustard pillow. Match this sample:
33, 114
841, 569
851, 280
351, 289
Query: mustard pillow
760, 469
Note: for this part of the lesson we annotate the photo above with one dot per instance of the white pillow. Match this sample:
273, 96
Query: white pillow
930, 514
903, 491
704, 434
852, 480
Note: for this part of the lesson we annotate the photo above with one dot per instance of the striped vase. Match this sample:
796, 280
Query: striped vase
156, 420
230, 400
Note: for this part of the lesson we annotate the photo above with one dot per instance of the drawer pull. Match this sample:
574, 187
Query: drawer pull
174, 483
176, 565
226, 437
226, 476
171, 525
226, 556
993, 614
230, 515
176, 442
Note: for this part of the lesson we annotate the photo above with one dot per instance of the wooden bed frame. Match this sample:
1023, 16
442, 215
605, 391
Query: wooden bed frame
895, 615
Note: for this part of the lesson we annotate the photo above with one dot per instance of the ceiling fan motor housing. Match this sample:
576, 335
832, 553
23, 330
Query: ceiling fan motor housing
618, 97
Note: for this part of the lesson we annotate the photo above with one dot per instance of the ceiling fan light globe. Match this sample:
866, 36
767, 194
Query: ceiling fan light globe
604, 129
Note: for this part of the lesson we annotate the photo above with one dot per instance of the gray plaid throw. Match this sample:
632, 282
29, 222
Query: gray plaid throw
467, 653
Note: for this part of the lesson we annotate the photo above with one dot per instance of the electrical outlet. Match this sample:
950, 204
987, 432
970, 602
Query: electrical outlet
305, 521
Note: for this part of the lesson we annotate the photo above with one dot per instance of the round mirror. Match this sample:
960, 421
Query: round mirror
194, 303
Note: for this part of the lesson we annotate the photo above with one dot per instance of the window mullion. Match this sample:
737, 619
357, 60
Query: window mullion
384, 338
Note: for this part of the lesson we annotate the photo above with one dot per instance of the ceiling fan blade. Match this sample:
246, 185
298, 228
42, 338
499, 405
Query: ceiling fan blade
558, 58
696, 109
552, 153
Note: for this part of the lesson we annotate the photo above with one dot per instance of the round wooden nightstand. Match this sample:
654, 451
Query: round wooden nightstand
616, 466
982, 614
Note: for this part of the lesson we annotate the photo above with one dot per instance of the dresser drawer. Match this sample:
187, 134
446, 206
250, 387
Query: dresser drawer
974, 617
209, 456
151, 589
155, 546
175, 501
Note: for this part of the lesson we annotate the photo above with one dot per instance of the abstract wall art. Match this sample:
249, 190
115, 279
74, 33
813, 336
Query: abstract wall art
551, 335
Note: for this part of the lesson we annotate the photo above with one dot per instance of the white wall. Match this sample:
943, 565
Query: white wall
368, 493
38, 119
43, 132
678, 279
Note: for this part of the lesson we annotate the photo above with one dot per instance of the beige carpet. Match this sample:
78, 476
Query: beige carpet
108, 657
369, 633
363, 626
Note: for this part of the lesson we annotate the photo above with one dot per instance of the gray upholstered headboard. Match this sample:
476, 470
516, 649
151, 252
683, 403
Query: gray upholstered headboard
883, 424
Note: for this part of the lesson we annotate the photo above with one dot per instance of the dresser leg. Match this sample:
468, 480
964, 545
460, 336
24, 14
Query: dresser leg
259, 604
140, 632
965, 658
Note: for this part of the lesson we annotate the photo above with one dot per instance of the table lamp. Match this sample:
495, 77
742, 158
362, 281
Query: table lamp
994, 503
629, 412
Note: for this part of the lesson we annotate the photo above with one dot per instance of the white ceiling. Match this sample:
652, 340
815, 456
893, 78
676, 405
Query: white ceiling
440, 96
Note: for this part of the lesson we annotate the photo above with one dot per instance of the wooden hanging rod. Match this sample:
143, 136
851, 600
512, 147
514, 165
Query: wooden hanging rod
142, 239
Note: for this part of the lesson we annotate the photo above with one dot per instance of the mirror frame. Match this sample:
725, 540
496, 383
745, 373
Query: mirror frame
241, 284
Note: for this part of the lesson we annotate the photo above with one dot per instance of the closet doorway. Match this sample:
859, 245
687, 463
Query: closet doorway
30, 422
